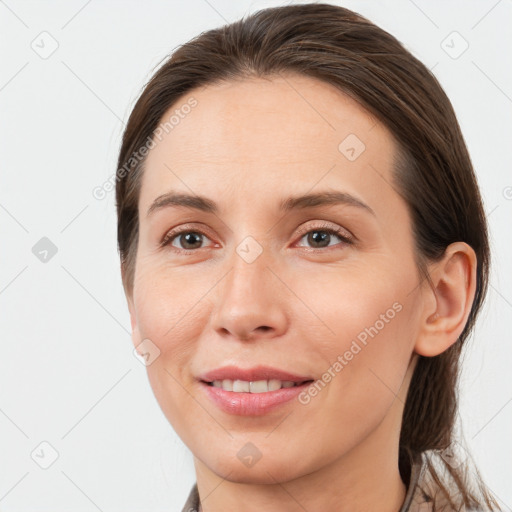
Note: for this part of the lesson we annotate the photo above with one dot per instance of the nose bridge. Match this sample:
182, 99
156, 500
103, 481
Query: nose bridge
248, 300
248, 262
249, 275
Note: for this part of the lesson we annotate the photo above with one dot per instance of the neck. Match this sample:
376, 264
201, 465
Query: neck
366, 478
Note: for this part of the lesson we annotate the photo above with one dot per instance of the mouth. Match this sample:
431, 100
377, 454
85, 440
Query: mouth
252, 391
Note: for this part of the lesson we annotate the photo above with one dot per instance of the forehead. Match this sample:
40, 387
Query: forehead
260, 136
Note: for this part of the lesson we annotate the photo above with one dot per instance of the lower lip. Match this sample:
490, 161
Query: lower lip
252, 404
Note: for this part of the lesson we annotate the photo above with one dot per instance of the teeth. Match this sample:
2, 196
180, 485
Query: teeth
241, 386
259, 386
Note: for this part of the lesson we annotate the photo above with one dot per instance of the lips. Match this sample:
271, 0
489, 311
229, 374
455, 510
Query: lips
258, 402
253, 374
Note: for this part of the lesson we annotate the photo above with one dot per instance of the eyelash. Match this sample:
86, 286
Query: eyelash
326, 228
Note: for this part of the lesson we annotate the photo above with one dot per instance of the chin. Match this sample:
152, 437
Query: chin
265, 470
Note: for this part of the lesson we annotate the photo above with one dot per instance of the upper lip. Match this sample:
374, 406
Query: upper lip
251, 374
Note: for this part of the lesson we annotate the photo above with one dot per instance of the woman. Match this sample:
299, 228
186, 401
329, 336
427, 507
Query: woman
304, 252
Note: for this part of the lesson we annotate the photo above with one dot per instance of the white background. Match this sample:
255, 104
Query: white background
67, 372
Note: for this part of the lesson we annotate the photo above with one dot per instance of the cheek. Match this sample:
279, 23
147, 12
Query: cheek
350, 303
370, 325
365, 361
168, 305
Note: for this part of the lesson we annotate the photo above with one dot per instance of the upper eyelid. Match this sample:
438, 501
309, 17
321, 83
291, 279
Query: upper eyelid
328, 227
184, 228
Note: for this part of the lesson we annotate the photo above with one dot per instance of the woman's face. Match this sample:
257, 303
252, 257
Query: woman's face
255, 284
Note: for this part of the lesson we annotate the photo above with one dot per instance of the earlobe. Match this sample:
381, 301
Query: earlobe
447, 307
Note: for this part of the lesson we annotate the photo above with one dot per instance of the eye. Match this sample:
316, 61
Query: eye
321, 236
189, 239
186, 240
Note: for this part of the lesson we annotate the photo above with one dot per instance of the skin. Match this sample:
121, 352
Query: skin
247, 145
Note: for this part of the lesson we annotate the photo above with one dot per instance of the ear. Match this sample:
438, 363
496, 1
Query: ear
446, 307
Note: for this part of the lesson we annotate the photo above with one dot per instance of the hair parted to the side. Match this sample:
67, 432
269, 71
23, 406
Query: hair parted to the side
433, 174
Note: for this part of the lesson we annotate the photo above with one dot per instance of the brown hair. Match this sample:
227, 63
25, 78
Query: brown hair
433, 171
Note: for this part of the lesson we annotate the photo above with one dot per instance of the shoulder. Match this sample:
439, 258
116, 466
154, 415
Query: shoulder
433, 487
192, 503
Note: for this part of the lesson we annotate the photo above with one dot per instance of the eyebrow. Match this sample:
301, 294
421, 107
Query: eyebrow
176, 199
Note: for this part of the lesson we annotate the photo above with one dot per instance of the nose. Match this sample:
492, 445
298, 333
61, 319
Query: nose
250, 304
